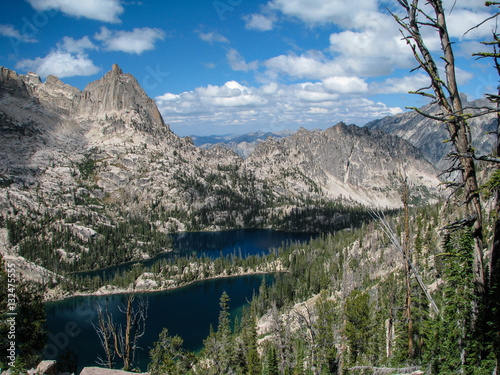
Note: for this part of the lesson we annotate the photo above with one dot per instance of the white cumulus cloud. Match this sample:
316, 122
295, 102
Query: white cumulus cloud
237, 62
339, 12
401, 85
271, 106
259, 22
67, 60
100, 10
461, 20
311, 65
136, 41
61, 64
346, 85
71, 45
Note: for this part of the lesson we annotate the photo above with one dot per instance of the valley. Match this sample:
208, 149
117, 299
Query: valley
98, 176
95, 186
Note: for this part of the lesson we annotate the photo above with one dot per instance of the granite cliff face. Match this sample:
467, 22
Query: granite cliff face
107, 143
118, 93
350, 162
429, 135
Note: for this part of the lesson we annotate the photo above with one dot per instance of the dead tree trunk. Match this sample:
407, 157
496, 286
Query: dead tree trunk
495, 99
494, 280
118, 339
446, 94
103, 330
406, 258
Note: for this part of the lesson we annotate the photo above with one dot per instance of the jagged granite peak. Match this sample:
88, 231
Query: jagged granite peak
12, 83
347, 161
116, 69
117, 92
430, 136
56, 94
116, 97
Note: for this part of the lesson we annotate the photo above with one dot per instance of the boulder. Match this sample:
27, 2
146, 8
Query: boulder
103, 371
46, 367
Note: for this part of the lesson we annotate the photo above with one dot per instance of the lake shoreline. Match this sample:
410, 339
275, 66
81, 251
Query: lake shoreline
55, 295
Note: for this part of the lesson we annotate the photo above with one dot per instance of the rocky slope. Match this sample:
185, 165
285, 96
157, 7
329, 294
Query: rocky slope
97, 177
346, 162
429, 136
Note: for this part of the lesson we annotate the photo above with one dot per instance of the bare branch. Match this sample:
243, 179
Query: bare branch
462, 223
482, 23
386, 228
487, 158
420, 112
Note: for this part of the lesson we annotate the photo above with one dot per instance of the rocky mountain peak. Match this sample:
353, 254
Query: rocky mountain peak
430, 136
119, 94
341, 126
116, 69
346, 161
56, 94
12, 83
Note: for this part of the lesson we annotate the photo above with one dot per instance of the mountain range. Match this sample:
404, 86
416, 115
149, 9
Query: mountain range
242, 144
80, 163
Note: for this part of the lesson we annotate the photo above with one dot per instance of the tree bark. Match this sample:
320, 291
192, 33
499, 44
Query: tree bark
454, 118
406, 258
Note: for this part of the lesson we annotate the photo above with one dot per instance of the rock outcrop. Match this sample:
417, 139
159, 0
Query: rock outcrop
48, 367
103, 371
121, 93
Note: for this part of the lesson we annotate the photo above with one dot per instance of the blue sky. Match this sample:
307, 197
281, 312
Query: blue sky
234, 66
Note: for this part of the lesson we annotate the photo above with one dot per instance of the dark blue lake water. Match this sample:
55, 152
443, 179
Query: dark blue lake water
240, 241
187, 312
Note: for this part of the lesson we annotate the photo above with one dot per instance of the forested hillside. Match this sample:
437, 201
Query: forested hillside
344, 306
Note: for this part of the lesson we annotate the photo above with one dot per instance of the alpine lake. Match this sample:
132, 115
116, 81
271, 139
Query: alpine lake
188, 311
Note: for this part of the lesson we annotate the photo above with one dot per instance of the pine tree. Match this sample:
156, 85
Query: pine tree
218, 346
358, 325
224, 334
249, 342
457, 342
169, 357
31, 333
325, 333
271, 363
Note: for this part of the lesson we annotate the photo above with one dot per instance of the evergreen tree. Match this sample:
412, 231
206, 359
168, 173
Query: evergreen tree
325, 333
169, 357
224, 333
358, 325
218, 346
457, 342
31, 333
271, 363
248, 335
